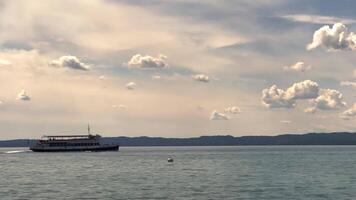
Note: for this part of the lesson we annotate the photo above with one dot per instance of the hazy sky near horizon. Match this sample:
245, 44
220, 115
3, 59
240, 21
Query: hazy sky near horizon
177, 68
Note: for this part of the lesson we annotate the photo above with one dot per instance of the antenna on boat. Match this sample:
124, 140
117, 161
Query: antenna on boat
88, 129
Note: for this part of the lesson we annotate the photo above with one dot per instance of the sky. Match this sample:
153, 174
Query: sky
177, 68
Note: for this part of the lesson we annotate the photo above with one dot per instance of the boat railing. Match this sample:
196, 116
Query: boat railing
66, 137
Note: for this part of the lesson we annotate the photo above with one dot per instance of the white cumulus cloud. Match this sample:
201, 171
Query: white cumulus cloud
298, 67
348, 83
274, 97
232, 110
303, 90
215, 115
349, 113
131, 85
148, 62
201, 78
69, 62
328, 100
23, 96
336, 37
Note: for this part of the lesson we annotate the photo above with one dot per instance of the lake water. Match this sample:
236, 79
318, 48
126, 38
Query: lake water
265, 172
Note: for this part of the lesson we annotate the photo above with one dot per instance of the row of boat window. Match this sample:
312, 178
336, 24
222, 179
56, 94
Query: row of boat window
72, 144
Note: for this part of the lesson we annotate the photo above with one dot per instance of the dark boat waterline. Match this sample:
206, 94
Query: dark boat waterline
110, 148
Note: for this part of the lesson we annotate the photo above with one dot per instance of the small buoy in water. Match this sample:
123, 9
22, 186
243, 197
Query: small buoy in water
170, 159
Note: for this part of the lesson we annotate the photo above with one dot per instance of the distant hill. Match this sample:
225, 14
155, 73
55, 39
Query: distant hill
339, 138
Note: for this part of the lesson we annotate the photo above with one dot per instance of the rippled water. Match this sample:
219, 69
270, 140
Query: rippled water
279, 172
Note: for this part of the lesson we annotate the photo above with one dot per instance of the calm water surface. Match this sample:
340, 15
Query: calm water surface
268, 172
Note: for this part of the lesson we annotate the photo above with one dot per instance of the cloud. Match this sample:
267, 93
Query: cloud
156, 77
328, 100
310, 110
318, 19
298, 67
69, 62
274, 97
23, 96
285, 121
348, 83
120, 107
215, 115
102, 77
349, 113
148, 62
131, 85
303, 90
232, 110
322, 99
201, 78
5, 62
335, 38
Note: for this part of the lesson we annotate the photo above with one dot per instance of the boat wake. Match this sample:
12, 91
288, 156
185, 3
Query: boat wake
17, 151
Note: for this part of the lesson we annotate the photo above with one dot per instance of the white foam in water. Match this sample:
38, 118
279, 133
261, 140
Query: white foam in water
18, 151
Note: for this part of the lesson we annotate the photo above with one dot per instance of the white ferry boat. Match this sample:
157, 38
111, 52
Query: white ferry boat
60, 143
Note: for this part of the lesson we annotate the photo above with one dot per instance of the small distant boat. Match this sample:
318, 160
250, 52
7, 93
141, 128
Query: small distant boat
62, 143
170, 159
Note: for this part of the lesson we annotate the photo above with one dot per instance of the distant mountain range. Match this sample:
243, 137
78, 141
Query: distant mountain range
337, 138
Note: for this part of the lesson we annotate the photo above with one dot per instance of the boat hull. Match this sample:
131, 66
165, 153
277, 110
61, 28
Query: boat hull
105, 148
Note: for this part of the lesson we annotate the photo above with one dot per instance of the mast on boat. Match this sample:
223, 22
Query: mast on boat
88, 129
